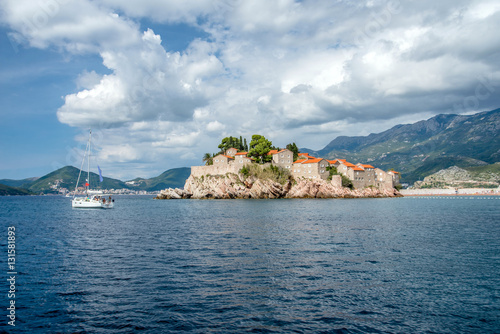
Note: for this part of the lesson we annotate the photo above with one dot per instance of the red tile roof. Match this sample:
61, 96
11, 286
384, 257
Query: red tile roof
357, 168
367, 166
348, 164
272, 152
312, 161
300, 161
227, 156
241, 153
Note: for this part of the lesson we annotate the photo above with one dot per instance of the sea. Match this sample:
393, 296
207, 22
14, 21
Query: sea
392, 265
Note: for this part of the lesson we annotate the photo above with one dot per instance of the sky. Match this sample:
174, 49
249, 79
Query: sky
162, 82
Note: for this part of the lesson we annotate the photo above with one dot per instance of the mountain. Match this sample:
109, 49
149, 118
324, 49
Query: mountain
172, 178
66, 177
24, 183
470, 177
423, 148
12, 191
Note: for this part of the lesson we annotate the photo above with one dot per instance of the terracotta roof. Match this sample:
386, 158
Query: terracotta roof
227, 156
357, 168
367, 166
332, 161
304, 154
300, 161
283, 150
272, 152
241, 153
392, 171
348, 164
312, 161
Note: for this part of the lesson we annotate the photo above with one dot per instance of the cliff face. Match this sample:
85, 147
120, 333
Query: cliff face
237, 186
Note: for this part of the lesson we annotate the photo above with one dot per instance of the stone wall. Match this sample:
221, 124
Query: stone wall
198, 171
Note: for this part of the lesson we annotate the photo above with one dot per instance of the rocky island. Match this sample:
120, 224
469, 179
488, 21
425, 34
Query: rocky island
264, 171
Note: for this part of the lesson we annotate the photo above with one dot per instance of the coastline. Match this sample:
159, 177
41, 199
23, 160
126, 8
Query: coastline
451, 192
237, 186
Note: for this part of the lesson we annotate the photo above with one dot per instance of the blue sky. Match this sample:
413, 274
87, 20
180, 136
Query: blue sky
162, 82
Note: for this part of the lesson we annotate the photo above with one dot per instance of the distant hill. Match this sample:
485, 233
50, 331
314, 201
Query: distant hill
12, 191
470, 177
172, 178
423, 148
66, 177
24, 183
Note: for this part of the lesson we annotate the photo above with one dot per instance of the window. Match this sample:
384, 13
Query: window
309, 171
322, 171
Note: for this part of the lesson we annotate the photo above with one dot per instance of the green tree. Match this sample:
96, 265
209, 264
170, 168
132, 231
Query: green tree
207, 159
228, 143
293, 147
245, 148
259, 147
240, 143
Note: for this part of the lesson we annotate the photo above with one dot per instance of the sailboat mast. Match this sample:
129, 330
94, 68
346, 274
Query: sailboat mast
88, 160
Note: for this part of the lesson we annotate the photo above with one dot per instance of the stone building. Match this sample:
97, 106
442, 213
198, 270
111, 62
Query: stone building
396, 177
369, 174
314, 168
282, 158
241, 159
383, 180
231, 151
222, 159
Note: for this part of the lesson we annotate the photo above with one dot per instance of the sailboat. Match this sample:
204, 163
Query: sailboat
93, 199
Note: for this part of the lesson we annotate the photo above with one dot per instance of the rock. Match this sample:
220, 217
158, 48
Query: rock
231, 186
173, 194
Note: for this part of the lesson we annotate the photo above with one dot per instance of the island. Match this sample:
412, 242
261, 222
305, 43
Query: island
262, 171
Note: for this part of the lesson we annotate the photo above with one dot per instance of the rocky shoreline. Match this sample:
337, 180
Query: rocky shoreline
232, 186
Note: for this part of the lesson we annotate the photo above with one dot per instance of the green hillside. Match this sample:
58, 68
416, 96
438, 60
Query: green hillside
172, 178
67, 177
12, 191
24, 183
423, 148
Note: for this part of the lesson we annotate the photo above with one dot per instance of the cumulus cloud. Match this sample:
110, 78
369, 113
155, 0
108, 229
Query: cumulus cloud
291, 70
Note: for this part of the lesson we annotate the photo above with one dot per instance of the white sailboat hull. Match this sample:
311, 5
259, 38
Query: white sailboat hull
86, 203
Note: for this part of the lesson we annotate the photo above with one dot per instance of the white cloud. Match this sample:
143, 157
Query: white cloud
291, 70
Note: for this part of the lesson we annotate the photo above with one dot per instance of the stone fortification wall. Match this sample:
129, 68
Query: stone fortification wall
198, 171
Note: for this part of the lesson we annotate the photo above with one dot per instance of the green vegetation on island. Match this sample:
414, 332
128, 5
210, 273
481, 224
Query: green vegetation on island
13, 191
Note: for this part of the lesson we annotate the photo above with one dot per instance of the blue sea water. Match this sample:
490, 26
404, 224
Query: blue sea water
404, 265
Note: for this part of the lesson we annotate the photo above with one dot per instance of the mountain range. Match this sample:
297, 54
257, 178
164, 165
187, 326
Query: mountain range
423, 148
415, 150
66, 177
